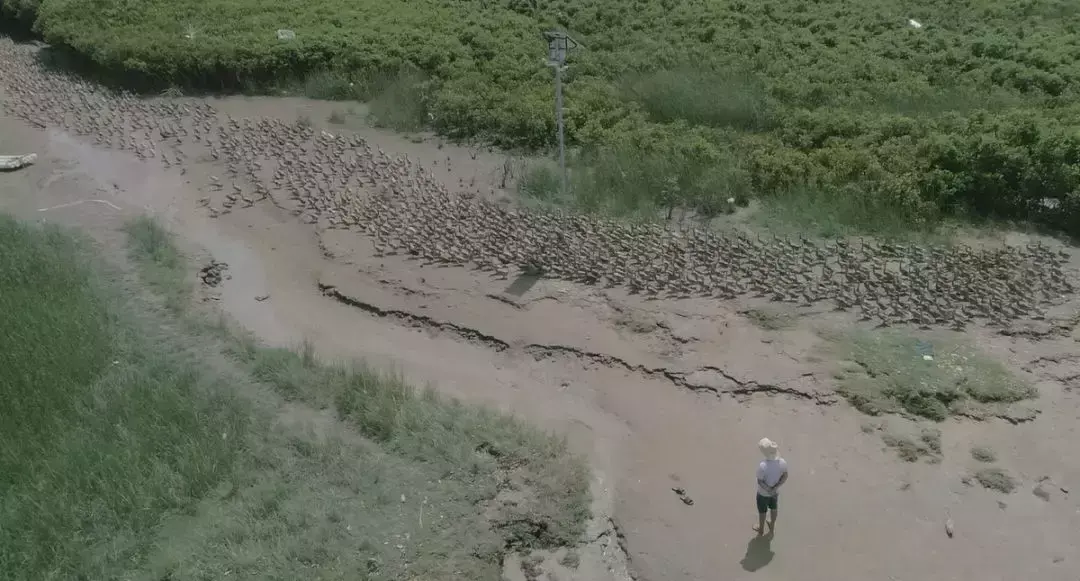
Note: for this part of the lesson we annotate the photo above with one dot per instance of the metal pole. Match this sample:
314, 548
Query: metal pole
559, 123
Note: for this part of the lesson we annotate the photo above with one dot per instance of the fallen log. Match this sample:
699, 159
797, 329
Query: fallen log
13, 162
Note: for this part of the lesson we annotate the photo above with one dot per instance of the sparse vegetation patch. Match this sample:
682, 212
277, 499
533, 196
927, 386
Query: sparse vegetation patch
996, 479
930, 376
907, 448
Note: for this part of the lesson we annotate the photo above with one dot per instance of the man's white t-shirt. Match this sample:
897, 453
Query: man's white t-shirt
770, 471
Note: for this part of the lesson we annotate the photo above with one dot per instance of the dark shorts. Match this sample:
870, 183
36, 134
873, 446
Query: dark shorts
766, 503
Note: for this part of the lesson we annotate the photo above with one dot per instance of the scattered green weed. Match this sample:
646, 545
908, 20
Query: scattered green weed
931, 438
907, 448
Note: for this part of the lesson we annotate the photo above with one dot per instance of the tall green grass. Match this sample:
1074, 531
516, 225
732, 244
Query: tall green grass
396, 100
130, 452
835, 212
455, 487
163, 265
104, 432
716, 98
635, 182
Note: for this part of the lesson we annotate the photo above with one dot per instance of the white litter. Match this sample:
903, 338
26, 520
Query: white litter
928, 357
285, 34
69, 204
11, 162
914, 23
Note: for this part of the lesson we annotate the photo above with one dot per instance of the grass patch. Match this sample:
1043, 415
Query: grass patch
836, 212
890, 373
161, 265
908, 449
105, 429
983, 454
996, 479
471, 447
911, 449
454, 487
133, 450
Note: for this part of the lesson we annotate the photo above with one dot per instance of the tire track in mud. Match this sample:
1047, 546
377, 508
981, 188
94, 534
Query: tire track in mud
724, 383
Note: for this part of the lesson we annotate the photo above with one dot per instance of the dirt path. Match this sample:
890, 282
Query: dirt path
658, 394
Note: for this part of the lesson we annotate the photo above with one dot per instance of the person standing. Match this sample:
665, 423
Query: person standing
772, 473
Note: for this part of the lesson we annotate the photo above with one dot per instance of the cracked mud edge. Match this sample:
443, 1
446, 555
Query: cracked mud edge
542, 352
613, 551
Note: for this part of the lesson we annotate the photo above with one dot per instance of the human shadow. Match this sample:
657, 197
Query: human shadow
758, 552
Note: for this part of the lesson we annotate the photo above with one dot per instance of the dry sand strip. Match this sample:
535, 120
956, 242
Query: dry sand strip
851, 511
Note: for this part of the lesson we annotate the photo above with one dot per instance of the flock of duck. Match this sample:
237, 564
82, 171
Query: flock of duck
340, 181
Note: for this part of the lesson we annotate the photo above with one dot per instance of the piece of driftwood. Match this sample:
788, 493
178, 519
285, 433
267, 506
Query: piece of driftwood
13, 162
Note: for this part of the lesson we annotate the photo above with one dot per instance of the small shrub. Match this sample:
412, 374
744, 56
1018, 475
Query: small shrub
160, 262
996, 479
931, 437
908, 449
636, 180
399, 101
984, 454
571, 560
336, 118
541, 182
328, 86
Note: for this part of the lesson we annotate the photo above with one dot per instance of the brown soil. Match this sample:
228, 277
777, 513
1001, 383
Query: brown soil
657, 394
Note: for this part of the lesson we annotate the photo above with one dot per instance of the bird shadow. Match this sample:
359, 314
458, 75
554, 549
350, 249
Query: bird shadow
758, 552
522, 284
